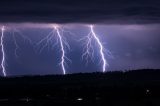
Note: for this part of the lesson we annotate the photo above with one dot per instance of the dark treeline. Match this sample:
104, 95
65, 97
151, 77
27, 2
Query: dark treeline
138, 87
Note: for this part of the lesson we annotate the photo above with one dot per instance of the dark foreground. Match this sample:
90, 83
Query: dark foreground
134, 88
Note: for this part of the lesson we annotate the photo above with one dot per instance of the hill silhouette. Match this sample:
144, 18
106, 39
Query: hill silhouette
130, 88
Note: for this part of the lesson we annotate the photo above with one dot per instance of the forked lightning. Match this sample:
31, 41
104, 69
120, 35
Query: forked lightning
88, 51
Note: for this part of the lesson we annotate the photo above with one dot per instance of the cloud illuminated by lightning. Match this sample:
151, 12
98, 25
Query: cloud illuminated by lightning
56, 34
88, 50
3, 52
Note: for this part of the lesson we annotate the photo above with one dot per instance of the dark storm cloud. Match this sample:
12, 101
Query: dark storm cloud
80, 11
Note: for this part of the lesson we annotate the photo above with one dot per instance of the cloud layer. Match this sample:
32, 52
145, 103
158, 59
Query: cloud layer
80, 11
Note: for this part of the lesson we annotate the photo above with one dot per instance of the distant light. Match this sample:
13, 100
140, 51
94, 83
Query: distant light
147, 91
79, 99
26, 99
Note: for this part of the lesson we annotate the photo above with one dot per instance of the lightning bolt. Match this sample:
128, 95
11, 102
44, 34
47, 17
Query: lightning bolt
62, 50
3, 52
101, 48
88, 50
3, 62
57, 33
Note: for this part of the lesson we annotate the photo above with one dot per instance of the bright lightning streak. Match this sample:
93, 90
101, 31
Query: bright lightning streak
101, 48
89, 50
3, 63
57, 32
3, 52
62, 49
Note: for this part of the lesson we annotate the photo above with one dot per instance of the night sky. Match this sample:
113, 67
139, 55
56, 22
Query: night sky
129, 29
